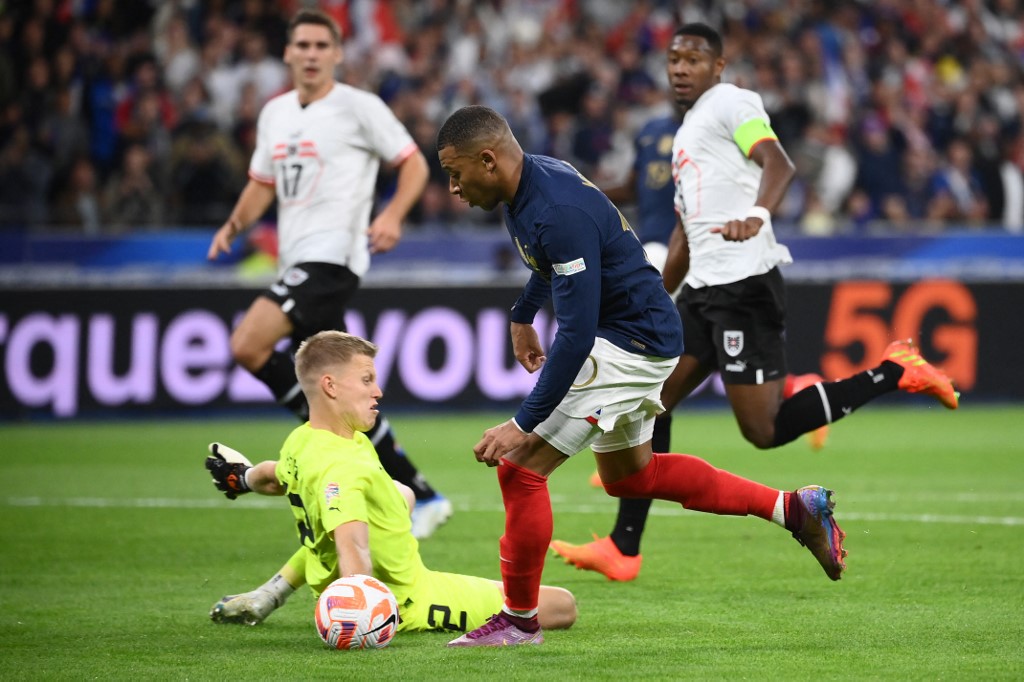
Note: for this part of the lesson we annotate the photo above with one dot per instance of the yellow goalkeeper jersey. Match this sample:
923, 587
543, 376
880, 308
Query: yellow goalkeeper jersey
333, 480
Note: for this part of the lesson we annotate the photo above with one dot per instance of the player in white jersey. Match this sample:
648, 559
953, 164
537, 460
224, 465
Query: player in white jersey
730, 173
318, 150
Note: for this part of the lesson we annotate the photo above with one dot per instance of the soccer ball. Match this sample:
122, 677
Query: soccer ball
357, 612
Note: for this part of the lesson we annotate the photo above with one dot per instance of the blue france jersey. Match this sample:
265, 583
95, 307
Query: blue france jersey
585, 257
655, 191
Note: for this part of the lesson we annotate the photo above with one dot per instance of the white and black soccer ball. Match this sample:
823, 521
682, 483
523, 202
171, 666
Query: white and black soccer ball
357, 612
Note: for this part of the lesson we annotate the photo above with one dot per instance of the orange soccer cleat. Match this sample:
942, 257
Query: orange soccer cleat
919, 376
796, 383
601, 556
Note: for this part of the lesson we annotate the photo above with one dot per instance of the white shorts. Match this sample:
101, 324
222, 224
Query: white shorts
611, 404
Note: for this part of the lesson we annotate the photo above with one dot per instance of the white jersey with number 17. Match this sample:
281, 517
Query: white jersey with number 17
716, 181
323, 159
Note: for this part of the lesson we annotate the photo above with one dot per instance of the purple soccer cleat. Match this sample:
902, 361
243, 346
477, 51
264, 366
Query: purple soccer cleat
499, 630
817, 530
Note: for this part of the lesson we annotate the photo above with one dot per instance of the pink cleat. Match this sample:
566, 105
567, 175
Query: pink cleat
499, 630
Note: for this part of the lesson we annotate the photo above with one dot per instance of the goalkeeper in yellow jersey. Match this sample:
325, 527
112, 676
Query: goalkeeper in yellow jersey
350, 516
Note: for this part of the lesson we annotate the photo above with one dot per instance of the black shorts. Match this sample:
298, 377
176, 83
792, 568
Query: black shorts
314, 296
738, 328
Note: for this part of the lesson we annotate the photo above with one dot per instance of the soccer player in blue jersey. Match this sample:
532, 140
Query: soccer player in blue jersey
619, 337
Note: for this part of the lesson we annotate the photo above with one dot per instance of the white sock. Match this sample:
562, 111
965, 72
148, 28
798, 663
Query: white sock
278, 587
521, 614
779, 512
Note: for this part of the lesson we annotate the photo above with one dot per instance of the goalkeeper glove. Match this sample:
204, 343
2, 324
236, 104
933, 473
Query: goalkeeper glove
228, 468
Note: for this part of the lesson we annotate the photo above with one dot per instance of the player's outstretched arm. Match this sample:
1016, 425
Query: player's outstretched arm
233, 474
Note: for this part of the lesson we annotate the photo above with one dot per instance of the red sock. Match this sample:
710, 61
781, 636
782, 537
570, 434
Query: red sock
528, 529
697, 485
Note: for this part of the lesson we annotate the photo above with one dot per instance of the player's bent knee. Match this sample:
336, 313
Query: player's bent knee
247, 355
761, 437
637, 485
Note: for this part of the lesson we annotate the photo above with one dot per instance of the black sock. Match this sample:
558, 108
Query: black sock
661, 442
393, 459
629, 525
278, 373
809, 409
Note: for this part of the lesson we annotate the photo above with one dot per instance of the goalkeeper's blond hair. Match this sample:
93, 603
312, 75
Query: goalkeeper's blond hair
327, 349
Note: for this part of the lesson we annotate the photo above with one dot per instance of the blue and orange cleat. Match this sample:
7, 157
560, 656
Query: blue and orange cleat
919, 375
601, 556
817, 530
499, 630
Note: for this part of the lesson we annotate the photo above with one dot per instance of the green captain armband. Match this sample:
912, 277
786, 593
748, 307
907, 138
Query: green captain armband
752, 132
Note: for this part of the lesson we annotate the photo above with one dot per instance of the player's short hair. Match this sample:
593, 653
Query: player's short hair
471, 124
316, 17
328, 349
704, 31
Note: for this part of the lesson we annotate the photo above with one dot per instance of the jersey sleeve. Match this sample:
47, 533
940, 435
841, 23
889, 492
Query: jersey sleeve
261, 166
747, 120
535, 294
385, 134
572, 243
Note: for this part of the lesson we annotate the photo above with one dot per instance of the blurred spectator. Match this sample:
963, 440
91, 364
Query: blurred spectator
919, 191
131, 198
206, 172
178, 57
37, 96
221, 79
592, 134
62, 134
267, 73
147, 127
243, 133
878, 164
822, 156
24, 179
77, 203
146, 85
1011, 172
958, 187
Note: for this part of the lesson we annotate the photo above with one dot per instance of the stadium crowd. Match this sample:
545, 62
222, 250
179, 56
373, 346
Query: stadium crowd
118, 115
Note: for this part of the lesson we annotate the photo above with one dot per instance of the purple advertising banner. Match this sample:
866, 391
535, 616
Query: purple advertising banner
89, 352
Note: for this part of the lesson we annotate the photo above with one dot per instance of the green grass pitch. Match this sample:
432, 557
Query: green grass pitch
114, 545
